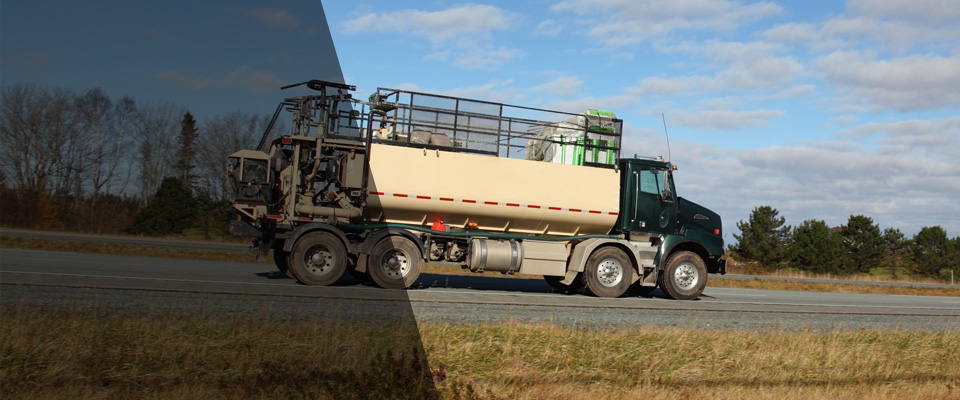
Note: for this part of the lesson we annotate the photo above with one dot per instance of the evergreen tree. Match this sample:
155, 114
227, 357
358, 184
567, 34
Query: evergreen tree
173, 209
895, 246
187, 152
933, 252
814, 248
862, 243
763, 237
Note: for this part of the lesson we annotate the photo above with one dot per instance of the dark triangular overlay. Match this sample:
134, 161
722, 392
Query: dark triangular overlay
329, 70
394, 362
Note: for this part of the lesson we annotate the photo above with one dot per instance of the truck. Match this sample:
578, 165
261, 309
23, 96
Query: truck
379, 188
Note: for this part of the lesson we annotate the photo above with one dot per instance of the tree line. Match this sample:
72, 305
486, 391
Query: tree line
859, 247
83, 161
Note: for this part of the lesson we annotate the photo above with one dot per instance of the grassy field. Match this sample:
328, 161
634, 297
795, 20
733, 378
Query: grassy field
56, 353
107, 248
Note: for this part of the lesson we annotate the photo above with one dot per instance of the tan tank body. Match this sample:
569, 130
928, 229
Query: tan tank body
419, 186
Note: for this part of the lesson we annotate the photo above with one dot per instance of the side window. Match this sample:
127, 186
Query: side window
650, 181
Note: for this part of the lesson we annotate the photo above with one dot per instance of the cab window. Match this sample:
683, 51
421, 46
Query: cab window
650, 181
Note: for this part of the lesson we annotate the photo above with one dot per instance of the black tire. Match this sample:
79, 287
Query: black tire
318, 259
282, 259
684, 277
554, 282
608, 272
394, 263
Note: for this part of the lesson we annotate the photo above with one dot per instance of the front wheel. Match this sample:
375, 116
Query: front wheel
684, 277
318, 259
394, 263
608, 273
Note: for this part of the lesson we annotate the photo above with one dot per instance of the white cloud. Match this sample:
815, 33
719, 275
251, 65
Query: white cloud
923, 11
613, 103
242, 77
896, 35
437, 26
885, 25
724, 119
909, 83
548, 27
625, 22
755, 66
501, 91
478, 58
936, 136
463, 33
190, 83
792, 33
562, 86
255, 81
797, 91
274, 18
897, 187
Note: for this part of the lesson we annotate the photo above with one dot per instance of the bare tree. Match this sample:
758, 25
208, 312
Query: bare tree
102, 137
155, 132
222, 136
39, 128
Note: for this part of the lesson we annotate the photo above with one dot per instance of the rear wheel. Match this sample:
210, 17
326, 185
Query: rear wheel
554, 282
684, 277
394, 263
608, 272
318, 258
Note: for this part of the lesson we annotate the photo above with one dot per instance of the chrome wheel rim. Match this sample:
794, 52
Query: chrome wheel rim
320, 260
609, 272
395, 264
686, 276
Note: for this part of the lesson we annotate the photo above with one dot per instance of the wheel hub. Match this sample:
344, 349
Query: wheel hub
686, 276
321, 261
609, 272
394, 264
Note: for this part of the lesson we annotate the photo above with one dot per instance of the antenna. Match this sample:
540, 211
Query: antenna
669, 156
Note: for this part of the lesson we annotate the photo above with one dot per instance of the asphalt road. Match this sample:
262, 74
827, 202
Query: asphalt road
227, 288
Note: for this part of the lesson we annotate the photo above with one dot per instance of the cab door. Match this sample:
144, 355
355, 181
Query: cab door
649, 201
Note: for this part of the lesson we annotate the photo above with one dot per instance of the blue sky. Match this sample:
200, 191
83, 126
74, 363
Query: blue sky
820, 109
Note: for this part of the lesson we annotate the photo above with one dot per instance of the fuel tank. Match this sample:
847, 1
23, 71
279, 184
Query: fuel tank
419, 186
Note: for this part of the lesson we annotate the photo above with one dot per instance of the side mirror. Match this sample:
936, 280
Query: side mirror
666, 196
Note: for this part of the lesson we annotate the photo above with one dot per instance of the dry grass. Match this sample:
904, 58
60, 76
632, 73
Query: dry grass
61, 353
57, 353
122, 249
543, 361
768, 284
109, 248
